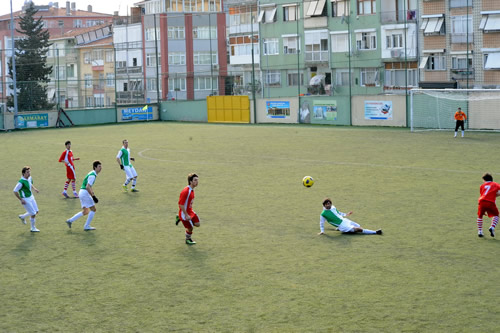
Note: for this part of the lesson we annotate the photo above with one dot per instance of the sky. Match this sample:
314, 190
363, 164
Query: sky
99, 6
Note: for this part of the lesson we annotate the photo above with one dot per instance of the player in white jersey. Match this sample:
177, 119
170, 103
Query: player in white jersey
23, 193
88, 199
123, 158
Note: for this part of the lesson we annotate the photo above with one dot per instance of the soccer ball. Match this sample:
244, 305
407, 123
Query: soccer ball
308, 181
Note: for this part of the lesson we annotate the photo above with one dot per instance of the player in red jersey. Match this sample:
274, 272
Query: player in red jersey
67, 158
186, 213
489, 191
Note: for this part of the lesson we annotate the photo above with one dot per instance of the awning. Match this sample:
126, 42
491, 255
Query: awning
423, 62
51, 93
493, 23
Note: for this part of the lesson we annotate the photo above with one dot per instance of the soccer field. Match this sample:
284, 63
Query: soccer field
258, 265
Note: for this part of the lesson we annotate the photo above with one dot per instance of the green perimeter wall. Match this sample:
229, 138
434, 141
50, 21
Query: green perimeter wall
90, 116
194, 111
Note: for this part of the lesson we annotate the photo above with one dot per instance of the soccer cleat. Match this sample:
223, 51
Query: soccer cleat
480, 235
134, 190
75, 195
23, 220
68, 222
492, 231
189, 241
35, 230
89, 229
65, 195
177, 219
125, 189
379, 232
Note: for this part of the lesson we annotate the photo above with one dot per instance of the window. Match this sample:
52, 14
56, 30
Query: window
204, 58
315, 8
394, 41
151, 84
109, 56
176, 58
292, 78
367, 7
433, 62
89, 101
60, 23
340, 8
460, 26
369, 77
70, 71
397, 77
366, 40
205, 32
342, 77
238, 19
273, 78
97, 55
151, 59
432, 24
290, 44
88, 81
242, 45
460, 3
340, 42
60, 72
492, 60
121, 64
267, 14
271, 46
110, 80
460, 62
290, 13
150, 34
177, 84
490, 23
154, 7
316, 43
206, 83
176, 32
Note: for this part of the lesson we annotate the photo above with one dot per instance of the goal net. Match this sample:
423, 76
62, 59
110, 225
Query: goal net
434, 109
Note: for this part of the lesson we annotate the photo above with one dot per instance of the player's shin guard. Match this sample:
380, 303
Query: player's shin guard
66, 186
479, 225
188, 234
89, 219
73, 186
127, 181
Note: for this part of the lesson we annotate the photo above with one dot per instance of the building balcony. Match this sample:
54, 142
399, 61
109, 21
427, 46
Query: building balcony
399, 16
461, 38
123, 97
129, 70
315, 57
462, 74
98, 89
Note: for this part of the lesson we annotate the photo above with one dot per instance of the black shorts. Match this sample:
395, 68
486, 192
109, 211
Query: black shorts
460, 123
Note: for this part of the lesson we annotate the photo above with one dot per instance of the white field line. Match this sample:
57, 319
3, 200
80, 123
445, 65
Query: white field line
143, 152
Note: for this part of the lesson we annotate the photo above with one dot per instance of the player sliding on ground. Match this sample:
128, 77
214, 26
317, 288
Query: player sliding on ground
331, 215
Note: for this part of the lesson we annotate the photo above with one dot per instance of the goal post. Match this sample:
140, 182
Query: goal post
434, 109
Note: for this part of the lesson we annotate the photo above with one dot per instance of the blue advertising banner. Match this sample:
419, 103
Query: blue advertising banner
378, 110
138, 113
279, 109
33, 120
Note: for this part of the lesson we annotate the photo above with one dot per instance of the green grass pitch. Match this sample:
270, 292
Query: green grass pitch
258, 265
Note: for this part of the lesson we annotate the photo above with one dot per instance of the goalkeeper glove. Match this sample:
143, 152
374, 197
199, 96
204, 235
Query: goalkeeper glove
121, 166
95, 199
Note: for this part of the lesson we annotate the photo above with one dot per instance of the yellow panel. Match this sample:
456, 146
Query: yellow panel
228, 115
227, 100
228, 109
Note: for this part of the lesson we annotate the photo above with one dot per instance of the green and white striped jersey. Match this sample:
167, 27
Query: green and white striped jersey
88, 178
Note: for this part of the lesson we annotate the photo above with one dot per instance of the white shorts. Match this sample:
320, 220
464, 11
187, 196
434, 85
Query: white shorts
129, 171
85, 199
31, 206
348, 225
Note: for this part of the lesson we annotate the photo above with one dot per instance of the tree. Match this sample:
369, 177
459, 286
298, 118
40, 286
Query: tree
32, 72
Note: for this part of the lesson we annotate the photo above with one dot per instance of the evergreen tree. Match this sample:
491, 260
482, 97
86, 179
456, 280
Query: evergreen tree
32, 72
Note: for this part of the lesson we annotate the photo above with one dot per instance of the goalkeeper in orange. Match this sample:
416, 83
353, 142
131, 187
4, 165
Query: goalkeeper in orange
460, 117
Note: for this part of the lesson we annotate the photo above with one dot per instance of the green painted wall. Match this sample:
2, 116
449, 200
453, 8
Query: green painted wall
343, 111
195, 111
1, 120
91, 116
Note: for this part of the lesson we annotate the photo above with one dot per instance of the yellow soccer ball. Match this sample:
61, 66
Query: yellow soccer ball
308, 181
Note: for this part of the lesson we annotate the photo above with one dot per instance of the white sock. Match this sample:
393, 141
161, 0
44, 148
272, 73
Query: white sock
127, 181
89, 219
134, 182
76, 217
369, 232
455, 134
462, 134
32, 220
25, 215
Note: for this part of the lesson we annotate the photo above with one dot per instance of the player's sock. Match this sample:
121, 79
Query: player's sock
76, 217
479, 225
494, 221
32, 221
73, 186
462, 134
25, 215
89, 219
369, 232
455, 135
66, 186
134, 182
188, 234
127, 181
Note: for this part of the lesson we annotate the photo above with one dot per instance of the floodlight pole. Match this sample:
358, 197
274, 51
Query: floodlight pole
12, 26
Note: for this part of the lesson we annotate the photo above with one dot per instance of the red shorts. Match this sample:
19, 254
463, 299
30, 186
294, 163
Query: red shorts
194, 219
487, 207
70, 172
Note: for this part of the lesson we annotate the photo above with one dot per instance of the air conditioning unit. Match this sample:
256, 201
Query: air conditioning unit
215, 67
396, 53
